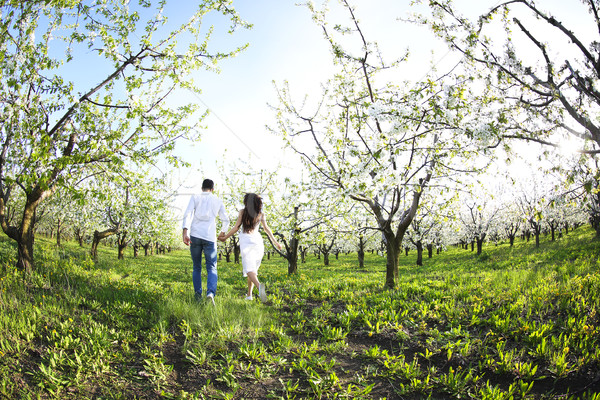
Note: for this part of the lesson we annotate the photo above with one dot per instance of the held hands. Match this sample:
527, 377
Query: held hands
222, 237
186, 239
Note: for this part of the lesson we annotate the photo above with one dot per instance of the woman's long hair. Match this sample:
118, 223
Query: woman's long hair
251, 213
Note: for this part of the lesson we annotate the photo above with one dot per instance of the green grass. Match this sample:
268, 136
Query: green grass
513, 323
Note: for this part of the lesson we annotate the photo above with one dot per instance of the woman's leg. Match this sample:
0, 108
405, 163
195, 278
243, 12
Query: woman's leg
250, 287
252, 281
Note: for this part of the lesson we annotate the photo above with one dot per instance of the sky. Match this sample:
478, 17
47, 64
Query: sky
286, 45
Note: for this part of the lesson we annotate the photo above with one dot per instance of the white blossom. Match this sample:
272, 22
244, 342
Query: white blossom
23, 24
133, 101
484, 134
376, 109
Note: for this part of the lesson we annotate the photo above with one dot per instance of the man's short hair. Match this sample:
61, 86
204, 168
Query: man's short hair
208, 184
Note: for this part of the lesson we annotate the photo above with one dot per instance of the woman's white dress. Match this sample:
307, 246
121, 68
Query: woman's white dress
252, 250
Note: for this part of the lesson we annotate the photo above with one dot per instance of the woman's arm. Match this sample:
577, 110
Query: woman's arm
263, 221
233, 230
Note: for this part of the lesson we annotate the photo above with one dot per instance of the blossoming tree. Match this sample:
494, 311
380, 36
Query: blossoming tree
375, 141
60, 116
543, 63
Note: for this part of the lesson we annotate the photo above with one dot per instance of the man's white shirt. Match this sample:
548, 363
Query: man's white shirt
200, 216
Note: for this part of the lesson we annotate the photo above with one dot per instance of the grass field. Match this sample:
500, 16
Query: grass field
514, 323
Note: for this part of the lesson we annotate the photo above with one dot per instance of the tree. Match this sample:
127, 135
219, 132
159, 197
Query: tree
112, 197
146, 212
511, 221
131, 206
379, 144
55, 129
477, 217
415, 236
555, 215
334, 221
532, 203
292, 216
586, 178
427, 228
324, 240
544, 66
56, 214
359, 236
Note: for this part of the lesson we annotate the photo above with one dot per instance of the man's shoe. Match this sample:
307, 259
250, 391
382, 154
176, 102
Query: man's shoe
211, 297
262, 292
248, 298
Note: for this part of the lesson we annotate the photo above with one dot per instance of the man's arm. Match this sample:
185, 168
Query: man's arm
224, 218
187, 221
224, 236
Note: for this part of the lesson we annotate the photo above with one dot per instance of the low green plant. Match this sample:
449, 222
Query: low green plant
523, 318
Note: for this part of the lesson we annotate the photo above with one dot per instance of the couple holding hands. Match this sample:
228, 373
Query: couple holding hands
199, 232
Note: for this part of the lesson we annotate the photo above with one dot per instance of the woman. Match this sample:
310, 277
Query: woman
251, 243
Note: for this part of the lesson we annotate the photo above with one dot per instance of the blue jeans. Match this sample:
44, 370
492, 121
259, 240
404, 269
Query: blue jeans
197, 247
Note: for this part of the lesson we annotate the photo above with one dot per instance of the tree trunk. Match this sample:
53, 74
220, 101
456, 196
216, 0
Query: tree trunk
361, 252
391, 266
79, 234
430, 250
25, 252
326, 258
24, 235
292, 256
537, 228
479, 246
122, 244
361, 259
58, 232
98, 236
419, 245
121, 252
236, 253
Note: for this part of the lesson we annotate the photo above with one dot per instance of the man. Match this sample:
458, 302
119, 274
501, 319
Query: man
199, 221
